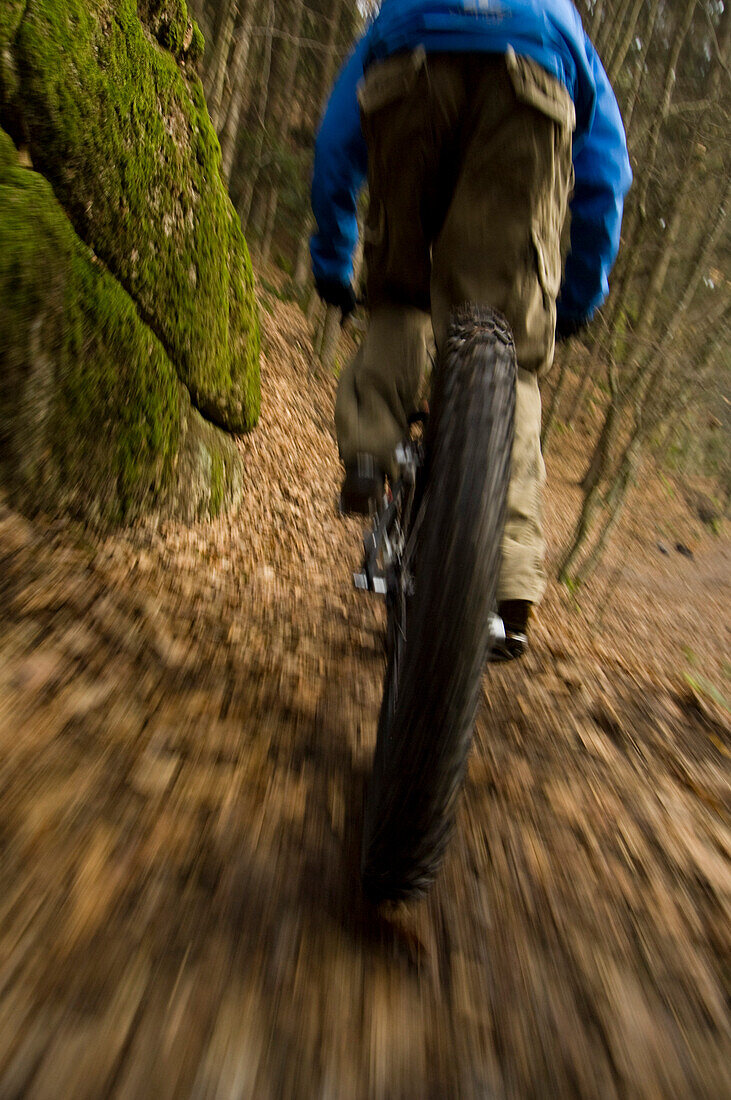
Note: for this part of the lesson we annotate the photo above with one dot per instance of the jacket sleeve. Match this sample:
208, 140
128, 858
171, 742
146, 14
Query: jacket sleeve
603, 178
341, 164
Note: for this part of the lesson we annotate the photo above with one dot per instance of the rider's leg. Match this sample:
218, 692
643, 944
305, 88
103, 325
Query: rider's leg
474, 155
522, 575
379, 389
500, 243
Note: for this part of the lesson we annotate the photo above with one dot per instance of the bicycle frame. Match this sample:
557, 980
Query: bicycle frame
385, 545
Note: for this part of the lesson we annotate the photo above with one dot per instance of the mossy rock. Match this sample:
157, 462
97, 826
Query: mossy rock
93, 418
209, 469
115, 118
8, 152
11, 13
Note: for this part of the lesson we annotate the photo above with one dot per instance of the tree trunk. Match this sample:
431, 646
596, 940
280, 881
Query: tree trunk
219, 63
270, 218
648, 35
615, 506
646, 371
699, 269
645, 388
637, 221
330, 56
618, 56
612, 30
661, 116
605, 444
283, 123
586, 374
314, 309
330, 338
602, 30
247, 194
302, 263
239, 63
555, 402
651, 298
596, 21
641, 66
583, 527
723, 55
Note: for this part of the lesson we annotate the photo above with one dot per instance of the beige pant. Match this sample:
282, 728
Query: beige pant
469, 174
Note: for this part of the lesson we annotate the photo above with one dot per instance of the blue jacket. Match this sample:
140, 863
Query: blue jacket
550, 32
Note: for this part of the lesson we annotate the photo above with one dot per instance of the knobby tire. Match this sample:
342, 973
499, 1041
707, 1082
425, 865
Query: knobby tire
438, 634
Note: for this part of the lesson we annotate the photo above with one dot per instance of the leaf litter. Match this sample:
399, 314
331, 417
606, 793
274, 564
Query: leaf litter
186, 721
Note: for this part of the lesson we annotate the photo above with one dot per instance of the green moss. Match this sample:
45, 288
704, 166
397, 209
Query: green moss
8, 152
208, 471
93, 419
170, 23
197, 45
91, 411
125, 139
218, 482
173, 27
285, 264
11, 13
89, 404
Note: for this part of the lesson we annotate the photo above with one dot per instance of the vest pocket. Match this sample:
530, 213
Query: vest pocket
390, 80
548, 260
536, 87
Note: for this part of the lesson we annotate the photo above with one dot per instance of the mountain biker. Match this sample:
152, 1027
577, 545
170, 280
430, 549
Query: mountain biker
473, 121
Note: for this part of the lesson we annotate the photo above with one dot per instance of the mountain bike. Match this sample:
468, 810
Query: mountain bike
434, 552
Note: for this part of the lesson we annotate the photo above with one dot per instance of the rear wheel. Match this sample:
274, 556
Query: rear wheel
439, 611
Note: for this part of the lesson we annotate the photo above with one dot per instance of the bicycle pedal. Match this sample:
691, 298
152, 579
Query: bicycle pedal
376, 584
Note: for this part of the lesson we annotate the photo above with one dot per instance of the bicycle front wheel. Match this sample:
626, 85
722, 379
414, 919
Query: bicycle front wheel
439, 631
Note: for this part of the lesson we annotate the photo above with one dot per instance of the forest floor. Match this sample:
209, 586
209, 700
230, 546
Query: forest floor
186, 721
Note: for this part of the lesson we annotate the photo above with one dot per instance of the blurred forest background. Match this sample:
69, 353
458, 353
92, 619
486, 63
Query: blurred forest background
655, 364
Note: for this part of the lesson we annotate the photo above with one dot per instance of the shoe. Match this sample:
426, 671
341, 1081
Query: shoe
515, 615
362, 487
509, 648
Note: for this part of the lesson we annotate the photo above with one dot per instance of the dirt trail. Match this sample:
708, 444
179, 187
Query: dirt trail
186, 719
